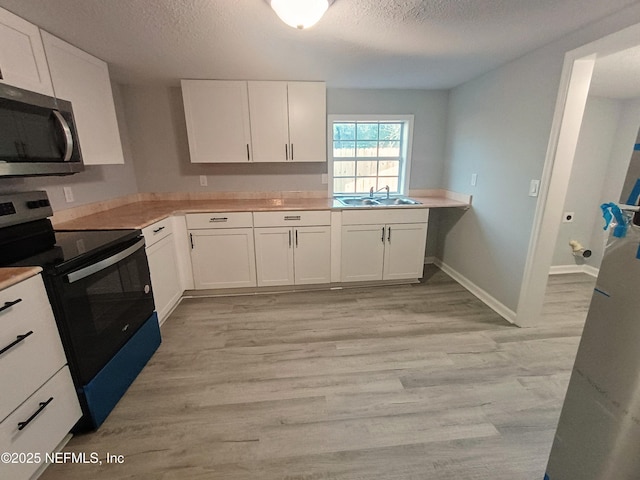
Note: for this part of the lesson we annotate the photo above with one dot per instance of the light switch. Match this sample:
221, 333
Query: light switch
534, 188
325, 179
203, 180
474, 179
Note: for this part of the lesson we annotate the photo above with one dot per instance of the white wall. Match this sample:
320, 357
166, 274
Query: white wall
95, 184
158, 134
628, 135
499, 127
429, 108
591, 166
155, 116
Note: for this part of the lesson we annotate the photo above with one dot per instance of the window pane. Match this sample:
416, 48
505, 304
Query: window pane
367, 169
389, 149
344, 169
344, 185
367, 149
391, 181
364, 184
367, 131
344, 149
389, 168
344, 131
390, 131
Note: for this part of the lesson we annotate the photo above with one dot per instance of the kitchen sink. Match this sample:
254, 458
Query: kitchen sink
377, 201
358, 201
397, 201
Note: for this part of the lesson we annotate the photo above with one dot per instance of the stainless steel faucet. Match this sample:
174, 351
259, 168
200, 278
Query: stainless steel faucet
371, 192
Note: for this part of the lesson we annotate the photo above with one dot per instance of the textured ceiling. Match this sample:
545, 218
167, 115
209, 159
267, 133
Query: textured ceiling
358, 43
617, 75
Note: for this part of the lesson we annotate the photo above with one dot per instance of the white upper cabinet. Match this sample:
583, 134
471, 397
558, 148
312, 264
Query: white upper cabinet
239, 121
22, 60
269, 121
84, 80
288, 121
307, 121
217, 116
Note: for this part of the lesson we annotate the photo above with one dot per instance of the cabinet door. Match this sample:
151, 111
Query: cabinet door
362, 252
223, 258
274, 256
404, 251
217, 116
22, 60
269, 121
164, 276
84, 80
312, 255
307, 121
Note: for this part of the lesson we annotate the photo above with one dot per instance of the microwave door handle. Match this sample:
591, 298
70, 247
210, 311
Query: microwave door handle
106, 263
66, 132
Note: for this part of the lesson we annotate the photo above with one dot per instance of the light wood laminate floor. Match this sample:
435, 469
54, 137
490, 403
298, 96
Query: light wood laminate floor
406, 382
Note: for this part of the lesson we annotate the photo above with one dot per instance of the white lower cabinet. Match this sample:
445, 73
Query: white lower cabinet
222, 256
292, 247
163, 267
293, 255
374, 248
38, 406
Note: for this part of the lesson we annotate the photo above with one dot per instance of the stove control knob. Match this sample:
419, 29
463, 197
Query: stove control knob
147, 289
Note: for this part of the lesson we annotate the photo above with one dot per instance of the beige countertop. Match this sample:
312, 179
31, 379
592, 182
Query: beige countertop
11, 275
144, 213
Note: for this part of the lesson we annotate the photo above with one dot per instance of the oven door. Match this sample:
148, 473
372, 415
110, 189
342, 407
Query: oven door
101, 305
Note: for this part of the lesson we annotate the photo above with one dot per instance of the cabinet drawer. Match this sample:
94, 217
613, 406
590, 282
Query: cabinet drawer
390, 215
219, 220
291, 218
45, 430
157, 231
30, 336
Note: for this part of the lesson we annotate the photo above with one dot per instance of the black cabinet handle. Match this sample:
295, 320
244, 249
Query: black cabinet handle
286, 152
292, 151
191, 240
296, 238
43, 405
9, 304
382, 235
248, 157
158, 229
389, 235
19, 339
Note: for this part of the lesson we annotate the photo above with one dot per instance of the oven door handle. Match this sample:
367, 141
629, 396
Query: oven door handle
106, 263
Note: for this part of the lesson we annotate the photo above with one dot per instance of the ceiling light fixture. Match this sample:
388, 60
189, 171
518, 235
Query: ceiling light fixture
300, 13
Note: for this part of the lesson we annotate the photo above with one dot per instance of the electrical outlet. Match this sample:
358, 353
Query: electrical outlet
567, 217
203, 180
474, 179
325, 179
68, 194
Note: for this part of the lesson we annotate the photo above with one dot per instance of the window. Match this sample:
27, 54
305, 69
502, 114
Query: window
370, 152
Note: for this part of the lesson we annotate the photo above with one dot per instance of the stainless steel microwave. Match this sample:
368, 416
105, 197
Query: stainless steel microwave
37, 135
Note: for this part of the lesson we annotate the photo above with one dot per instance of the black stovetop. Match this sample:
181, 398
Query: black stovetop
74, 248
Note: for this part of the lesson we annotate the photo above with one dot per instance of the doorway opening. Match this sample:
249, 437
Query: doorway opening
581, 81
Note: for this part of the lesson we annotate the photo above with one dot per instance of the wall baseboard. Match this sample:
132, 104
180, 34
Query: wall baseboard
562, 269
490, 301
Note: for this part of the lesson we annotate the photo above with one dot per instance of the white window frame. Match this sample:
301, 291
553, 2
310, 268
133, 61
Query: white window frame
405, 167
